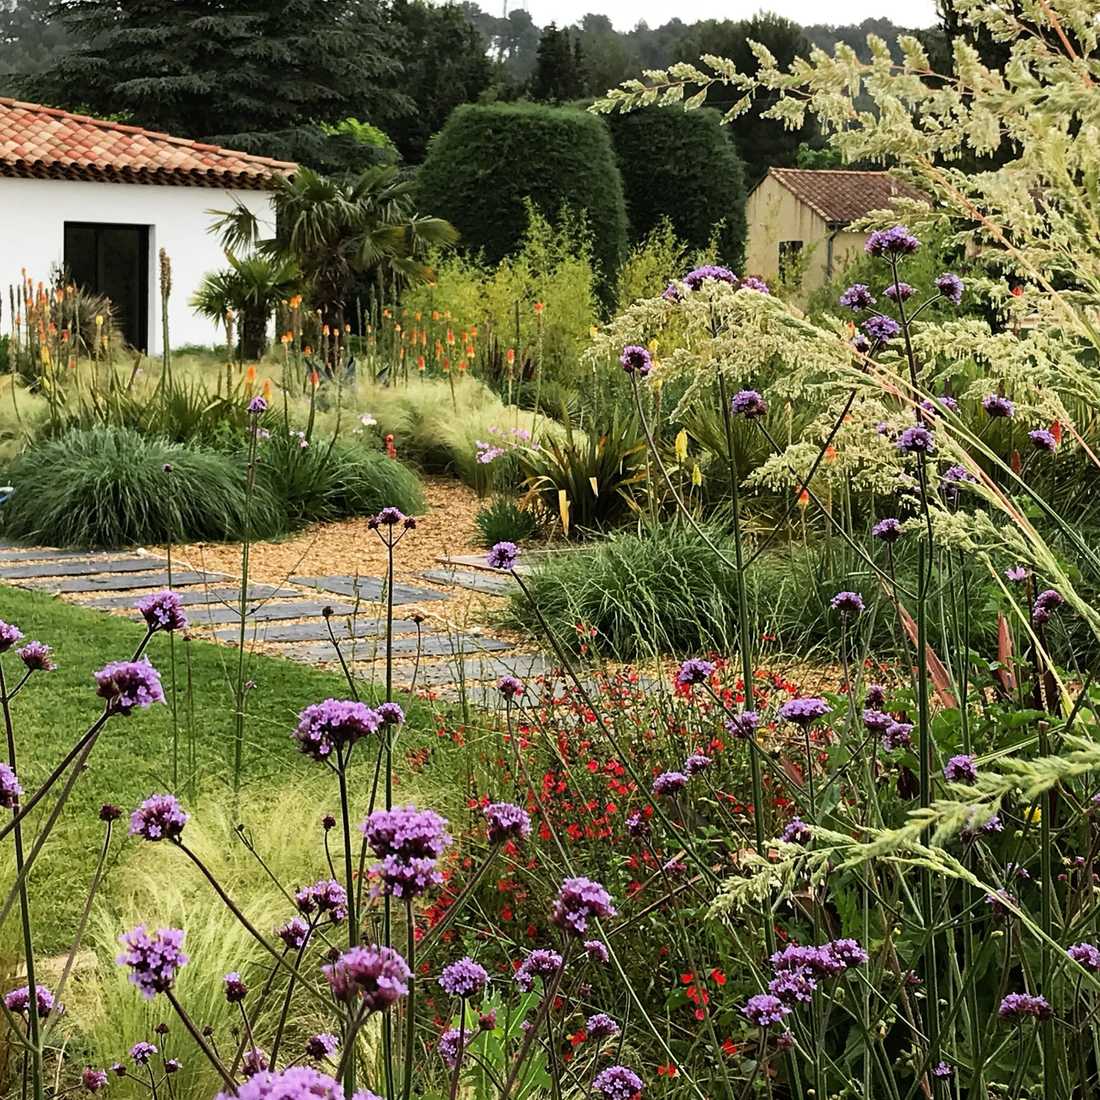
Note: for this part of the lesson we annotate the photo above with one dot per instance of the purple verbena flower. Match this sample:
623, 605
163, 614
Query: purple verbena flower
580, 900
743, 725
793, 987
916, 439
847, 603
10, 790
389, 517
764, 1010
159, 817
896, 241
694, 671
254, 1061
257, 405
153, 958
1021, 1006
797, 832
510, 687
18, 1001
888, 530
503, 556
93, 1079
997, 405
128, 685
505, 821
450, 1047
858, 296
696, 763
950, 286
391, 714
335, 724
325, 896
36, 657
407, 833
943, 1070
749, 404
234, 988
899, 292
961, 769
1016, 573
897, 735
293, 1083
1086, 955
669, 783
751, 282
597, 951
846, 951
9, 635
803, 712
378, 976
693, 280
1042, 440
163, 611
881, 328
294, 933
1046, 603
617, 1082
876, 695
877, 721
464, 978
636, 360
321, 1045
601, 1026
541, 963
141, 1053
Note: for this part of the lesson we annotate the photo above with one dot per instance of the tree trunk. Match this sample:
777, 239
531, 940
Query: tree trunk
253, 333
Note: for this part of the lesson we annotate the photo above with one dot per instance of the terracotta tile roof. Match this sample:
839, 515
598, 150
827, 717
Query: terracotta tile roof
47, 143
842, 196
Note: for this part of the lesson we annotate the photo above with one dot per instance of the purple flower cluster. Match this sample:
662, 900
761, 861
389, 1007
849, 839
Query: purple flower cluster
797, 832
934, 405
408, 842
18, 1001
93, 1079
254, 1061
916, 439
1086, 955
896, 241
390, 714
153, 958
332, 725
743, 725
887, 530
877, 721
997, 405
597, 951
450, 1047
617, 1083
636, 360
234, 987
257, 405
503, 556
953, 478
321, 1045
897, 735
292, 1083
1021, 1006
601, 1026
858, 296
693, 280
128, 685
793, 987
696, 763
541, 963
464, 978
325, 896
9, 635
163, 611
899, 292
10, 790
1046, 603
803, 712
951, 287
749, 404
36, 657
510, 687
669, 783
881, 328
379, 976
580, 900
961, 769
764, 1010
159, 817
294, 933
1042, 440
826, 961
751, 282
694, 671
142, 1053
506, 821
847, 603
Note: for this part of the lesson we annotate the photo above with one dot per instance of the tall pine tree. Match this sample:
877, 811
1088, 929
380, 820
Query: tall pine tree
559, 72
257, 75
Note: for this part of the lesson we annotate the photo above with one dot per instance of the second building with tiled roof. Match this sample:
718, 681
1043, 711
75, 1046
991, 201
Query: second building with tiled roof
798, 222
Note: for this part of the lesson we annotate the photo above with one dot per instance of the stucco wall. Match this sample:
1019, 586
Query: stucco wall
32, 234
775, 215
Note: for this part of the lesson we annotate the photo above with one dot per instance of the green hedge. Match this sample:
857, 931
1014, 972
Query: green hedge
489, 159
682, 165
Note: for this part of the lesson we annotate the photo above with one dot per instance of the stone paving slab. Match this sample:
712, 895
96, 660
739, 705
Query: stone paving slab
120, 582
372, 651
317, 630
477, 561
46, 553
500, 585
442, 673
79, 568
216, 614
194, 597
369, 589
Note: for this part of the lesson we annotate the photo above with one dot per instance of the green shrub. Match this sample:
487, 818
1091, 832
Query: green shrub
661, 590
107, 487
490, 160
683, 166
335, 478
503, 520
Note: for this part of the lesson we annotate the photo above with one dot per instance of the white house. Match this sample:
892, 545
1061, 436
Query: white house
101, 199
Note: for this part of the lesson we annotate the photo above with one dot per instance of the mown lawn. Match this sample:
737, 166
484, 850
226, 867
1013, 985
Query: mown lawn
134, 756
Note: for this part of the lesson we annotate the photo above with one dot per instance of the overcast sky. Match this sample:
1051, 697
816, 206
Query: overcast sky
626, 13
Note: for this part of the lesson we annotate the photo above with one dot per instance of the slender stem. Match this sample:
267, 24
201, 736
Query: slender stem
457, 1071
242, 606
410, 1001
202, 1044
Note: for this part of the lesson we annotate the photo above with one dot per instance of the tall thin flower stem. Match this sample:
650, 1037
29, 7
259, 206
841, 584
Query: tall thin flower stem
242, 605
457, 1071
33, 1037
410, 1002
201, 1043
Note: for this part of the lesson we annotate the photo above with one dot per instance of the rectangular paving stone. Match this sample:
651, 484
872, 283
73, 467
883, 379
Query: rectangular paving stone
119, 582
494, 585
215, 614
372, 650
215, 595
369, 589
45, 553
79, 568
317, 630
440, 673
477, 561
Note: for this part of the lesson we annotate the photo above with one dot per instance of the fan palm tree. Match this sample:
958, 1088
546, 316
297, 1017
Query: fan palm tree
337, 231
251, 287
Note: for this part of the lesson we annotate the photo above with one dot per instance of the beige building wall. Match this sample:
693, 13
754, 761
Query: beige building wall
775, 216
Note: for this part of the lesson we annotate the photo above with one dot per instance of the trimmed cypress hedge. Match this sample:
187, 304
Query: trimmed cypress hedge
682, 165
489, 158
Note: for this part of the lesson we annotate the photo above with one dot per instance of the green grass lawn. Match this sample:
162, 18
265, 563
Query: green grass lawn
134, 756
